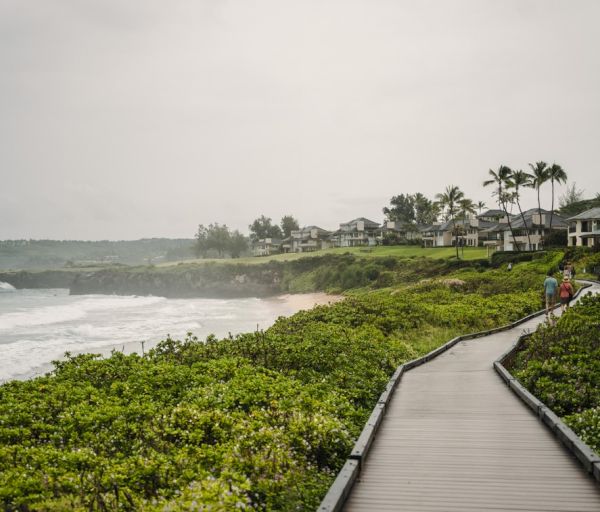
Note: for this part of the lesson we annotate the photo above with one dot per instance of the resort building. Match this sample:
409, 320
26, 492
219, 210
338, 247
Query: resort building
393, 232
492, 216
266, 247
584, 229
465, 231
357, 232
307, 239
538, 225
491, 229
436, 236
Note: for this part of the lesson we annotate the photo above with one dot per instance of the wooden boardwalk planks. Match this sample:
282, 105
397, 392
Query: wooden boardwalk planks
454, 437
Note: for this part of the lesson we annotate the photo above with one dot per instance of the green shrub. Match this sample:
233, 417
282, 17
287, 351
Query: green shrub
561, 366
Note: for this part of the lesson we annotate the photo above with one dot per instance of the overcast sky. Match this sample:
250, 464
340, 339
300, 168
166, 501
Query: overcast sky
143, 118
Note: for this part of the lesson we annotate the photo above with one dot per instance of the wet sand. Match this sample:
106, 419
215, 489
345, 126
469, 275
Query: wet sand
302, 301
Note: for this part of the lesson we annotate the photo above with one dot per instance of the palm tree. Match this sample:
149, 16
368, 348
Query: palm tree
449, 199
521, 179
539, 176
501, 178
556, 174
465, 207
480, 206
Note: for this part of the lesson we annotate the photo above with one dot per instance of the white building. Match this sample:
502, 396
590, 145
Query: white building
538, 225
357, 232
584, 229
307, 239
266, 247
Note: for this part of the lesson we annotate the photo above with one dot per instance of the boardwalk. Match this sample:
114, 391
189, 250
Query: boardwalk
455, 438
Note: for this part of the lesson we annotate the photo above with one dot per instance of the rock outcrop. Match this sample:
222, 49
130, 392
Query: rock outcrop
197, 282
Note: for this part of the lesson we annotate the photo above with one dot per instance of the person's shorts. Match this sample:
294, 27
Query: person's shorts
550, 298
565, 300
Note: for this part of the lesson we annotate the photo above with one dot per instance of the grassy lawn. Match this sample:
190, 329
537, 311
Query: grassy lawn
399, 251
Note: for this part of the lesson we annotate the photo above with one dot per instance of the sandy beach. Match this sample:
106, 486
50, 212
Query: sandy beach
303, 301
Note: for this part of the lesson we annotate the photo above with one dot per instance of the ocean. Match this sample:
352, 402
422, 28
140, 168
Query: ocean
39, 326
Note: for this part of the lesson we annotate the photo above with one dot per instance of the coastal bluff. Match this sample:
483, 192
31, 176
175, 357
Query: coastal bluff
210, 281
231, 279
203, 280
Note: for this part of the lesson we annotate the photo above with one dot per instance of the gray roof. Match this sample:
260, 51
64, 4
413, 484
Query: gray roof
494, 227
517, 222
448, 225
592, 213
368, 223
310, 228
492, 213
402, 227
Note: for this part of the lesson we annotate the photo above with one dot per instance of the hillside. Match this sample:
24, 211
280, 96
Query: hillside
53, 254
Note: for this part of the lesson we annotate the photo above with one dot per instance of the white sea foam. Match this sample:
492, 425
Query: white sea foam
79, 309
6, 287
38, 326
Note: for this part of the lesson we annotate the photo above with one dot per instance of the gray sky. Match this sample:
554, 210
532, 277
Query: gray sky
139, 118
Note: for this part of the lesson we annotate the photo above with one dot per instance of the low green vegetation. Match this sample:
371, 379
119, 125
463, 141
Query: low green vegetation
259, 421
561, 366
396, 251
587, 262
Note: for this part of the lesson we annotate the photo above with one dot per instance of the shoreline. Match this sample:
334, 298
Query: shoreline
249, 310
304, 301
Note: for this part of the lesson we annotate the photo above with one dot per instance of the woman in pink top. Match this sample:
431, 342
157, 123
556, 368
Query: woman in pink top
565, 293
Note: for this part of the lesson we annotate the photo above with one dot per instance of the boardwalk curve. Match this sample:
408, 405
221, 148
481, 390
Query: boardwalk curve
455, 438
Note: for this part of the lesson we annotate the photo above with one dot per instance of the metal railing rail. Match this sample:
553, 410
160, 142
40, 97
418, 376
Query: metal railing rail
589, 459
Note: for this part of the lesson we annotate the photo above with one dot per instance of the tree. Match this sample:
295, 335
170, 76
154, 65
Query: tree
580, 206
466, 206
215, 236
571, 196
480, 206
218, 238
501, 178
556, 174
539, 176
238, 243
201, 246
401, 209
288, 224
521, 179
263, 228
426, 211
448, 201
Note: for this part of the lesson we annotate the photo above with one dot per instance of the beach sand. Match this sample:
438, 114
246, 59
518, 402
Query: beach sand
302, 301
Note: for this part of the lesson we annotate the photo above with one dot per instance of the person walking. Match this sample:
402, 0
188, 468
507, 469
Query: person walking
565, 293
550, 288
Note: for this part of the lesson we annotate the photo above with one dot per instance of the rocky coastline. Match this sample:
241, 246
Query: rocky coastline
209, 281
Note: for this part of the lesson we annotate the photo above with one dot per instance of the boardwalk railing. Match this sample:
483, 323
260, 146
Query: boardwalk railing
339, 491
586, 456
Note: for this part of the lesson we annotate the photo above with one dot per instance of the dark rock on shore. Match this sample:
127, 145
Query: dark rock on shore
41, 279
197, 282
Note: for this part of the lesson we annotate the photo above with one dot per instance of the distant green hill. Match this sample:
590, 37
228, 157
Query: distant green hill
49, 254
